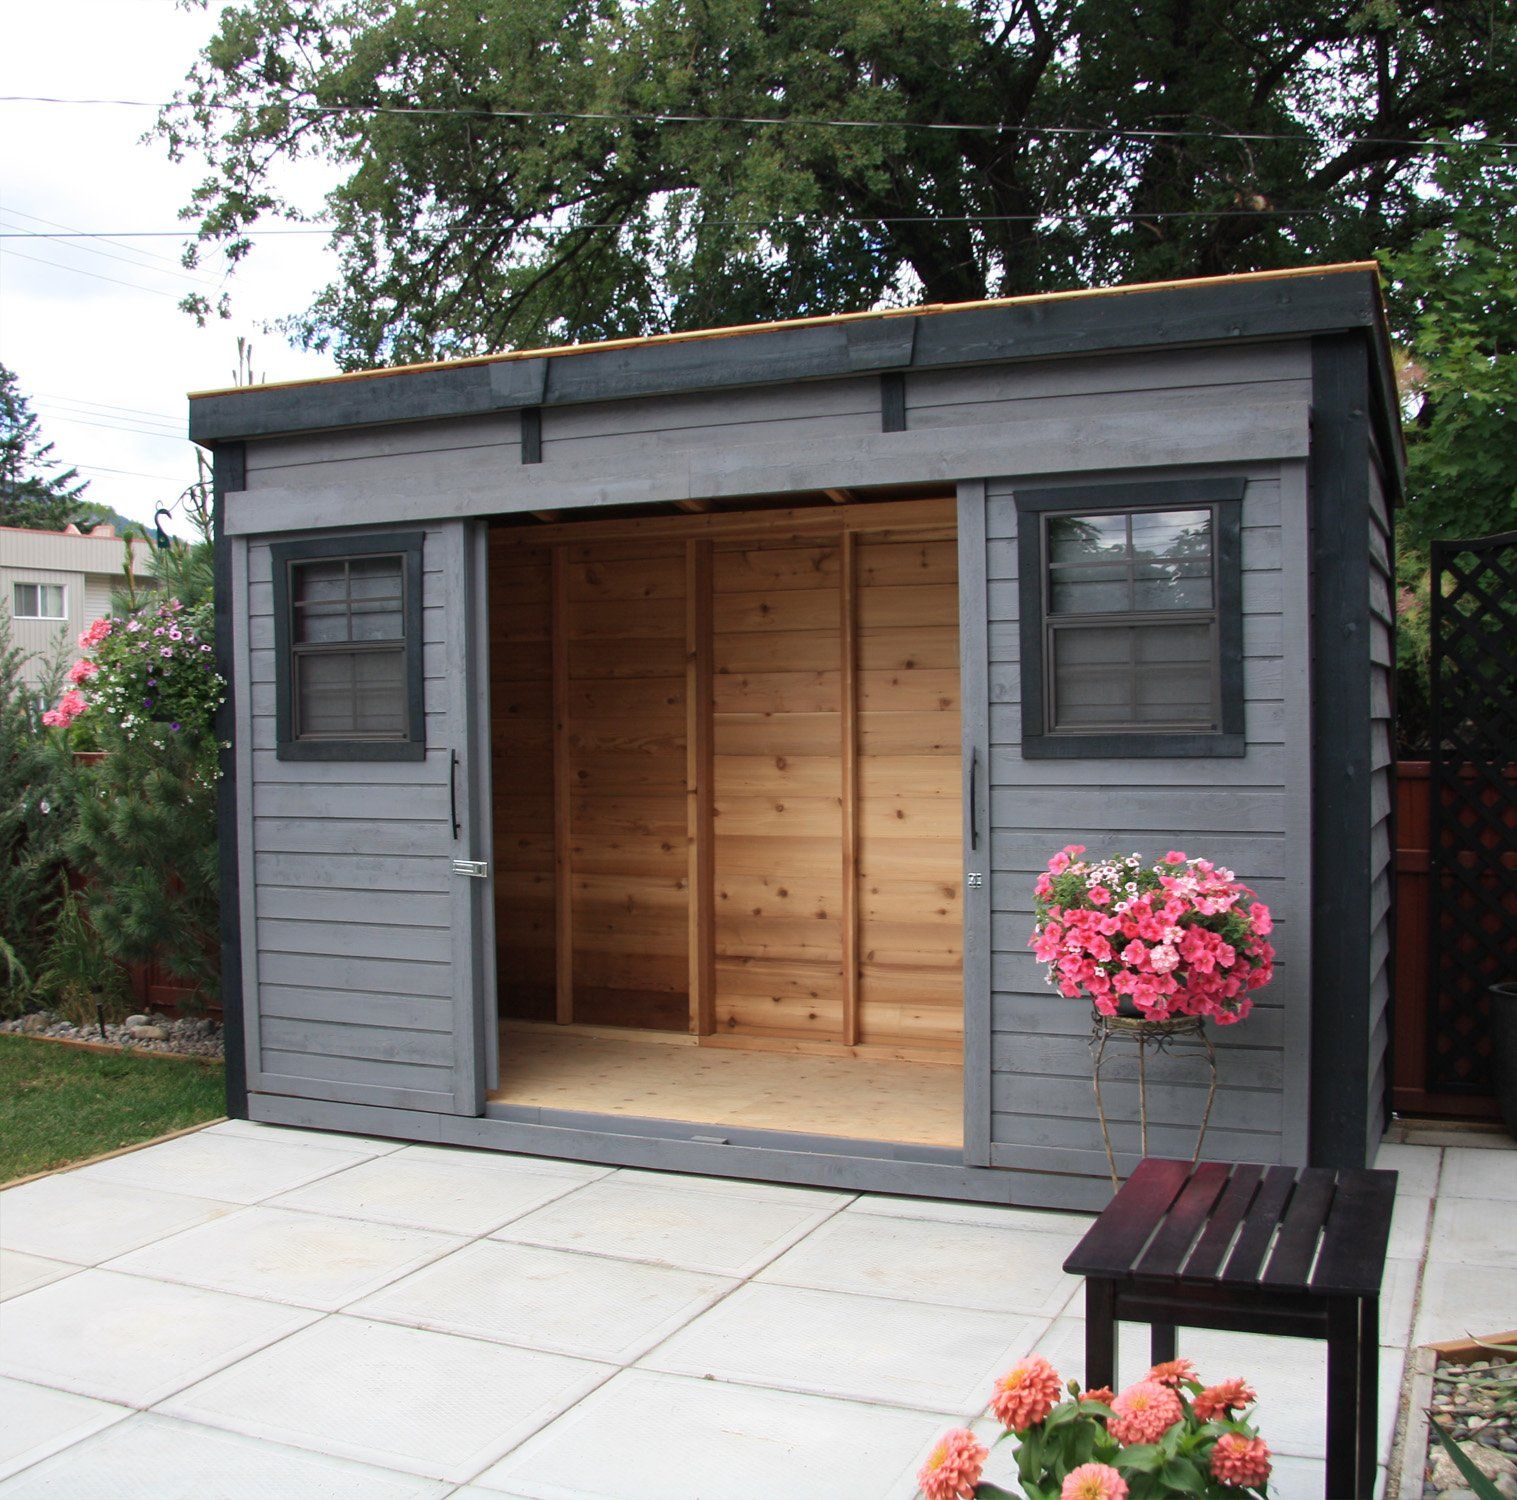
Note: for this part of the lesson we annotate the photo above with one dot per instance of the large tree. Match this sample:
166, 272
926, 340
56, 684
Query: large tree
503, 181
36, 491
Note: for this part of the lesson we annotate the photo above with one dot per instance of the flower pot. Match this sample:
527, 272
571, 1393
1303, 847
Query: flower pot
1504, 1050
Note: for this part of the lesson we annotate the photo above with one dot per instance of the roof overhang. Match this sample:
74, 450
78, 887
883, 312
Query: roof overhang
1220, 310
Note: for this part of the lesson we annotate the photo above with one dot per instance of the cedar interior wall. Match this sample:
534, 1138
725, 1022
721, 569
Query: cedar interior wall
807, 943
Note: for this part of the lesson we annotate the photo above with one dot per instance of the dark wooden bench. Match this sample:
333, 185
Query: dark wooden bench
1250, 1249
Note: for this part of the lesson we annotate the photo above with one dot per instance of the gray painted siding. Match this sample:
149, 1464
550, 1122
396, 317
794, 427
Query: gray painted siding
1077, 415
1249, 813
1382, 649
349, 911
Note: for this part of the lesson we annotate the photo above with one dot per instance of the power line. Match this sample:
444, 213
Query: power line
114, 424
58, 265
136, 265
799, 121
131, 473
70, 231
164, 437
136, 411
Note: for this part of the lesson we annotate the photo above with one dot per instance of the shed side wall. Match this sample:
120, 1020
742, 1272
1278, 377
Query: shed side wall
1238, 812
352, 947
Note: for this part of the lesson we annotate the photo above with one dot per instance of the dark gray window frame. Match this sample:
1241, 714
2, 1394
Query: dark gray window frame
1224, 495
413, 745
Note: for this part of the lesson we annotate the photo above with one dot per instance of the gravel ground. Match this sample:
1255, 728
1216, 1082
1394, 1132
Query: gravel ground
1476, 1404
198, 1036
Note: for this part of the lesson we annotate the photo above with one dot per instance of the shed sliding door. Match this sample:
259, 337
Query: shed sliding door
727, 784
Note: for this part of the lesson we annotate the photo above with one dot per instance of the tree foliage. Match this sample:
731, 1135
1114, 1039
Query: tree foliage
36, 491
462, 228
1457, 285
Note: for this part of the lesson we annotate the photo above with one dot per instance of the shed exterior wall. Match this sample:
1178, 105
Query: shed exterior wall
348, 934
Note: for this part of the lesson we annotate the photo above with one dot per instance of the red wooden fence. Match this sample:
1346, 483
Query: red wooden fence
1409, 1092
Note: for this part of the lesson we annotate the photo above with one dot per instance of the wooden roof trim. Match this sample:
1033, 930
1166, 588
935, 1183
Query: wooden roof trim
930, 309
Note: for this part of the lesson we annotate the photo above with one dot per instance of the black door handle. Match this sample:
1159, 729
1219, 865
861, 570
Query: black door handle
974, 801
453, 790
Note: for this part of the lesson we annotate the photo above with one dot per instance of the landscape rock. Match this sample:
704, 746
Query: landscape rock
147, 1033
1492, 1463
132, 1021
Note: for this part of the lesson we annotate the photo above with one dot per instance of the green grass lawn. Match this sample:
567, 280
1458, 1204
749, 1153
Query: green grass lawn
63, 1104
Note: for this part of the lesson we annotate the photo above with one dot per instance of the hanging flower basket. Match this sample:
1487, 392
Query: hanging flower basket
1147, 943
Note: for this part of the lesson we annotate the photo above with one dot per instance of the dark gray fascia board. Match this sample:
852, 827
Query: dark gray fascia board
1167, 316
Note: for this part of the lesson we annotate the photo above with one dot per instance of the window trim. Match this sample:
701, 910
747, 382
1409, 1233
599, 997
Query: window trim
1224, 497
412, 746
40, 584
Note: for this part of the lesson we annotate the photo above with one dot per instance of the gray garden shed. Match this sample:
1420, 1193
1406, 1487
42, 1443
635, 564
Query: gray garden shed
644, 751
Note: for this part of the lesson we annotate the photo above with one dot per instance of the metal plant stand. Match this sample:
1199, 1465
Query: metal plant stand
1161, 1036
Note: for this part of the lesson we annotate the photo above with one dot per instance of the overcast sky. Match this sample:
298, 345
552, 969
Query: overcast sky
91, 327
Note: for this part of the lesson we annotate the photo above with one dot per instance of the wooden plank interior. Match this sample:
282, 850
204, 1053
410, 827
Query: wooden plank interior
698, 785
521, 705
911, 915
625, 633
865, 1098
563, 904
848, 751
732, 756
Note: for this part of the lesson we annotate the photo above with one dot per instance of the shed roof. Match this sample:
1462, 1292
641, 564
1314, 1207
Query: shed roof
1300, 301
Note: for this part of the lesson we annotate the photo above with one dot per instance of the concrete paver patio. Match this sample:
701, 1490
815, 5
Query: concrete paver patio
249, 1311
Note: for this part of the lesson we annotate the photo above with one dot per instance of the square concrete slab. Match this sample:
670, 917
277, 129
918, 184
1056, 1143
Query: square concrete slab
127, 1339
322, 1140
992, 1215
36, 1421
1290, 1376
907, 1354
312, 1260
1480, 1174
736, 1187
1474, 1233
1416, 1167
923, 1260
85, 1220
428, 1187
1398, 1297
1409, 1226
403, 1398
644, 1436
585, 1305
236, 1169
152, 1457
24, 1273
673, 1222
1462, 1301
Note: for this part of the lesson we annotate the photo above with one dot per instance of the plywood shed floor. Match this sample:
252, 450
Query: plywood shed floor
672, 1078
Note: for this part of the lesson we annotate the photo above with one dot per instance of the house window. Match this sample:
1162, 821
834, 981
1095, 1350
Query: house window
1131, 620
347, 625
40, 601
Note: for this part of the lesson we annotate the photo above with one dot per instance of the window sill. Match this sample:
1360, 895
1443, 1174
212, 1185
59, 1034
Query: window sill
1132, 746
351, 750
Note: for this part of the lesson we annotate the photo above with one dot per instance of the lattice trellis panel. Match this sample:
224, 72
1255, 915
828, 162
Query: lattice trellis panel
1474, 804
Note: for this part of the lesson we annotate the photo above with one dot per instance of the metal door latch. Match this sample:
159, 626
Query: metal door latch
476, 869
971, 878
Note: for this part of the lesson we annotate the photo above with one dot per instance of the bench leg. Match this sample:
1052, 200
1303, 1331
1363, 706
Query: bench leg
1345, 1401
1162, 1344
1100, 1333
1369, 1391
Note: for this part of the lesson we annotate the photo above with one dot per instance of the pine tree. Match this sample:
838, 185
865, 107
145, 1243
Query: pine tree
33, 491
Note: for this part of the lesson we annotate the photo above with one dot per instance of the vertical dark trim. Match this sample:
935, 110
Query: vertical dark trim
1339, 988
228, 472
532, 435
893, 403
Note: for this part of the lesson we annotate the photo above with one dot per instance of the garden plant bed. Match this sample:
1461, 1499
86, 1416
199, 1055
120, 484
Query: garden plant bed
183, 1036
1469, 1388
59, 1105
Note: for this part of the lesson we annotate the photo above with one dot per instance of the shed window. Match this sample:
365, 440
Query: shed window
40, 601
348, 627
1131, 617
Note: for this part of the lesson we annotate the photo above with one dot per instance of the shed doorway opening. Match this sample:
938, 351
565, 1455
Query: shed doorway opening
727, 810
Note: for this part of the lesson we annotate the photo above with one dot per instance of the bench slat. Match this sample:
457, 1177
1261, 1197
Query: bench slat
1259, 1225
1296, 1246
1115, 1239
1358, 1229
1166, 1254
1206, 1259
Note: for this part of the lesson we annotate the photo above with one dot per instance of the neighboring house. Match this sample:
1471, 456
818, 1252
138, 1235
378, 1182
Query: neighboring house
645, 751
53, 583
